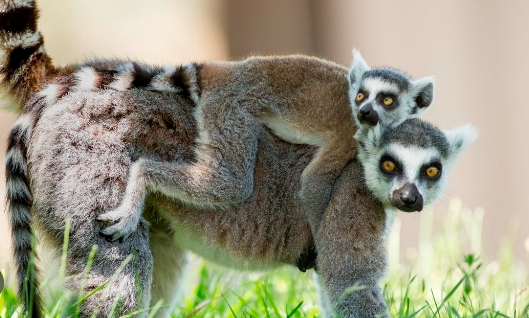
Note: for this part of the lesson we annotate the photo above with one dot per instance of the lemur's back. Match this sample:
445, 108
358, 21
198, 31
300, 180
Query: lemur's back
83, 146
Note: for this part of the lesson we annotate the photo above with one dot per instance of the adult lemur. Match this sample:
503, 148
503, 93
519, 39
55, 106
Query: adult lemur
82, 127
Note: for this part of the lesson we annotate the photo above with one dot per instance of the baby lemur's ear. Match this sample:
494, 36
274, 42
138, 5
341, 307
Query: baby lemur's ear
422, 90
358, 69
459, 138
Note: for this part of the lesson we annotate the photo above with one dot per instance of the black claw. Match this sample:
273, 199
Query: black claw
307, 259
106, 237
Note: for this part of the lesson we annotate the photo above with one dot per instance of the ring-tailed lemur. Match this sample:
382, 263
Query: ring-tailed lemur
405, 167
74, 143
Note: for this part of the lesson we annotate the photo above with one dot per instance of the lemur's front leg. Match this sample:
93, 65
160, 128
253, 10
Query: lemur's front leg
318, 177
351, 250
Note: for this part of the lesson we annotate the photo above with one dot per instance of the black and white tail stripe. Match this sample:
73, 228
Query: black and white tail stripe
19, 201
23, 60
127, 75
23, 69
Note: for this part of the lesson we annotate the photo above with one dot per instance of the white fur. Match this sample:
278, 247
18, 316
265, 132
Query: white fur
17, 158
419, 84
203, 138
216, 252
359, 67
390, 216
376, 85
170, 268
122, 83
86, 79
24, 40
129, 211
25, 121
287, 132
15, 186
191, 73
8, 5
50, 93
460, 138
124, 80
162, 82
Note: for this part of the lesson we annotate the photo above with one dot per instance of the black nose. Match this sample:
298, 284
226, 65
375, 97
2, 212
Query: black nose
365, 112
367, 115
407, 198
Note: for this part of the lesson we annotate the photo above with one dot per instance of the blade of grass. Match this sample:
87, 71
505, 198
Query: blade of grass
270, 300
227, 303
290, 314
450, 293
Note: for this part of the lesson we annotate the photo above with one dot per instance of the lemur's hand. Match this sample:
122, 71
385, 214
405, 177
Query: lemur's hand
126, 221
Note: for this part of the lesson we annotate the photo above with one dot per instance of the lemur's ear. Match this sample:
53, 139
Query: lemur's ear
459, 138
359, 67
422, 90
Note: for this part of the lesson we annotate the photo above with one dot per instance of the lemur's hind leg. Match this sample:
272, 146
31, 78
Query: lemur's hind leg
222, 174
170, 263
318, 177
125, 271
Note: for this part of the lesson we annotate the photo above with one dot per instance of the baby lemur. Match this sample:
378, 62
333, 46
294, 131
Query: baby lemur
298, 98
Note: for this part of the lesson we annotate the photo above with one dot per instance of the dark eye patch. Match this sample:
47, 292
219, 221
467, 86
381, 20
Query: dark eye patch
366, 95
382, 95
398, 166
437, 164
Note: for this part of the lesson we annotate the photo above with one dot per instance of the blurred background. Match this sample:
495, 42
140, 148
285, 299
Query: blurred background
477, 50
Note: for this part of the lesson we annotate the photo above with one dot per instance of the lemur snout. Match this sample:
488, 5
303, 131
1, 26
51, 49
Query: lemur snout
407, 199
367, 115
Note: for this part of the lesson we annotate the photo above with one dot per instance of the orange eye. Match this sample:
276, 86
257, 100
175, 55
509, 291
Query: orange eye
432, 172
360, 97
389, 165
388, 101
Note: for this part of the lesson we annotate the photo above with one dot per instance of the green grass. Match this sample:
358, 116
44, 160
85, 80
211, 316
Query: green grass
445, 277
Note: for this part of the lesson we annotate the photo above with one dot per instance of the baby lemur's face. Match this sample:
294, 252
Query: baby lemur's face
406, 166
385, 96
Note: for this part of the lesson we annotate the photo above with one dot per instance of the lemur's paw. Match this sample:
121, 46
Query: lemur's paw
126, 222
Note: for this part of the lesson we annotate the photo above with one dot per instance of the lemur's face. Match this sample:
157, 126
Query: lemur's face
385, 96
409, 177
406, 166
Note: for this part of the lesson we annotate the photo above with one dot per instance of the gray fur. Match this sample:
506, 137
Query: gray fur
70, 161
229, 111
419, 133
400, 79
93, 123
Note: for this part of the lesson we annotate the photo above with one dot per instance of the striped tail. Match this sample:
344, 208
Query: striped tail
24, 63
19, 201
124, 75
